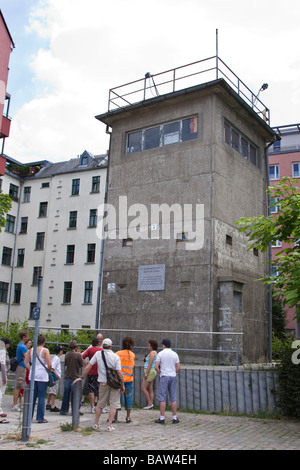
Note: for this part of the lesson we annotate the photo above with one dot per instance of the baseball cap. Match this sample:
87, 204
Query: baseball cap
107, 342
166, 342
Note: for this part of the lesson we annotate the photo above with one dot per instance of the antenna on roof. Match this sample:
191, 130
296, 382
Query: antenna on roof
148, 75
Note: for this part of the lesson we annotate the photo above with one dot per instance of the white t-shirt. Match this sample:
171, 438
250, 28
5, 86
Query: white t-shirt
112, 360
168, 360
56, 365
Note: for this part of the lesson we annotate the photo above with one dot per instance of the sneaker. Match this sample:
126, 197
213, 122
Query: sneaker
105, 409
54, 410
48, 407
148, 407
15, 408
110, 428
96, 427
128, 420
175, 420
93, 410
160, 421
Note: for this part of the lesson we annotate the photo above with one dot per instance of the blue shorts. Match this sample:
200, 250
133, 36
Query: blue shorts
167, 384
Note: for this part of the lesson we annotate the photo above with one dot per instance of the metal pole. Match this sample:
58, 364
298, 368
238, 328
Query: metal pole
36, 315
217, 55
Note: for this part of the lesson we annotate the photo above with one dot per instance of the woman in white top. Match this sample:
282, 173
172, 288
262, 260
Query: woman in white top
41, 377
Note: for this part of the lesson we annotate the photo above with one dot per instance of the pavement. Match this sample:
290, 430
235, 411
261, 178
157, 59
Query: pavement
194, 432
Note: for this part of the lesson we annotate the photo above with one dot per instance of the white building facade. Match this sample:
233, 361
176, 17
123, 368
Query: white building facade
51, 233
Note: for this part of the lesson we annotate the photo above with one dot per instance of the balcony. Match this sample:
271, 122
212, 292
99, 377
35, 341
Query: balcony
179, 78
5, 127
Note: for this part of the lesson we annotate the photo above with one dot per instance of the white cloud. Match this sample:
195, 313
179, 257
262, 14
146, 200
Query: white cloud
96, 45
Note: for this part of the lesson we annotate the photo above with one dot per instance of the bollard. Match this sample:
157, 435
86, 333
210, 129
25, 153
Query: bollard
76, 404
25, 422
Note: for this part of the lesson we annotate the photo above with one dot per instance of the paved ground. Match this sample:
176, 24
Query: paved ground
194, 432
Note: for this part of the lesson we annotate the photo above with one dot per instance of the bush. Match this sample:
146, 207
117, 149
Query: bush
288, 393
12, 331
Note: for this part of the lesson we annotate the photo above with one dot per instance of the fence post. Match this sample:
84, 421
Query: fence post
237, 352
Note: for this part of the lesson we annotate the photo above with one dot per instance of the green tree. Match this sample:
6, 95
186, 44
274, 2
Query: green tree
5, 206
282, 225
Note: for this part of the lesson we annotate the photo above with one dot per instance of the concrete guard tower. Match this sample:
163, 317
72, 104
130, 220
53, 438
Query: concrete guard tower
187, 161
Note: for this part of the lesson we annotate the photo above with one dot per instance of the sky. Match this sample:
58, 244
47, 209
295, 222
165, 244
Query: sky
69, 53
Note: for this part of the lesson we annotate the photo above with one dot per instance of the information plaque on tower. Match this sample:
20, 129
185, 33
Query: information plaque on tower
152, 277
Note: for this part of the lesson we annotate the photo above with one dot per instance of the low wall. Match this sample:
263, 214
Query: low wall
245, 392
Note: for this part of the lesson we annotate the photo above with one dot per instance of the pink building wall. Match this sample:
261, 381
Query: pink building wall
6, 44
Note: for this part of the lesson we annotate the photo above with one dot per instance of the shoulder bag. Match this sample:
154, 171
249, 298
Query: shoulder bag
113, 378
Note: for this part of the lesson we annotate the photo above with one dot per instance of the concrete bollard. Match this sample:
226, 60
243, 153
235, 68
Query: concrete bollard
76, 404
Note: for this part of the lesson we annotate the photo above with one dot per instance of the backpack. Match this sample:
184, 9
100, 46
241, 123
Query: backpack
14, 364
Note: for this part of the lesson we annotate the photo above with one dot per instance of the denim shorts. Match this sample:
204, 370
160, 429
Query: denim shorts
167, 384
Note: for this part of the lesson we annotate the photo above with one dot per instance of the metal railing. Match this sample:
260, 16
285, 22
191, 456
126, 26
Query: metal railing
158, 333
179, 78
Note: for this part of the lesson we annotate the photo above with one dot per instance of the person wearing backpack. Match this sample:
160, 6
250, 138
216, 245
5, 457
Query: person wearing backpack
20, 376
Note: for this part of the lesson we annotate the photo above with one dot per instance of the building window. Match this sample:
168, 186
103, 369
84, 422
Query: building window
67, 292
45, 185
240, 143
37, 273
93, 218
164, 134
10, 223
24, 225
274, 206
17, 293
43, 209
73, 219
274, 172
91, 250
96, 184
27, 192
40, 239
3, 292
6, 256
70, 254
88, 292
32, 306
75, 187
20, 258
296, 170
14, 191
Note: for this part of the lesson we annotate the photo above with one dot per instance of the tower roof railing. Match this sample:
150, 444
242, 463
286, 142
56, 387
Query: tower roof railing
180, 78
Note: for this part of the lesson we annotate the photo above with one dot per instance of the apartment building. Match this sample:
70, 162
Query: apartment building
178, 145
284, 160
51, 232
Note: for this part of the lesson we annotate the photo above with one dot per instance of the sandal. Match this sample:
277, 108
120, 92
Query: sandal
43, 421
4, 421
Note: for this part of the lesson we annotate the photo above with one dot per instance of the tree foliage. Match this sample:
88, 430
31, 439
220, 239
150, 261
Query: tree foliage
5, 206
283, 225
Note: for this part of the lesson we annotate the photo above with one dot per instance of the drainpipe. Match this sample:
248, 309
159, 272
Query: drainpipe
270, 249
100, 278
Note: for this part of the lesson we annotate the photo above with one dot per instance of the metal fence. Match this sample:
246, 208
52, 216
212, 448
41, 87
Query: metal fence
118, 335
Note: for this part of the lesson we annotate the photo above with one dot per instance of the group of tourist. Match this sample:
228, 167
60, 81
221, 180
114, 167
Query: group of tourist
100, 355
